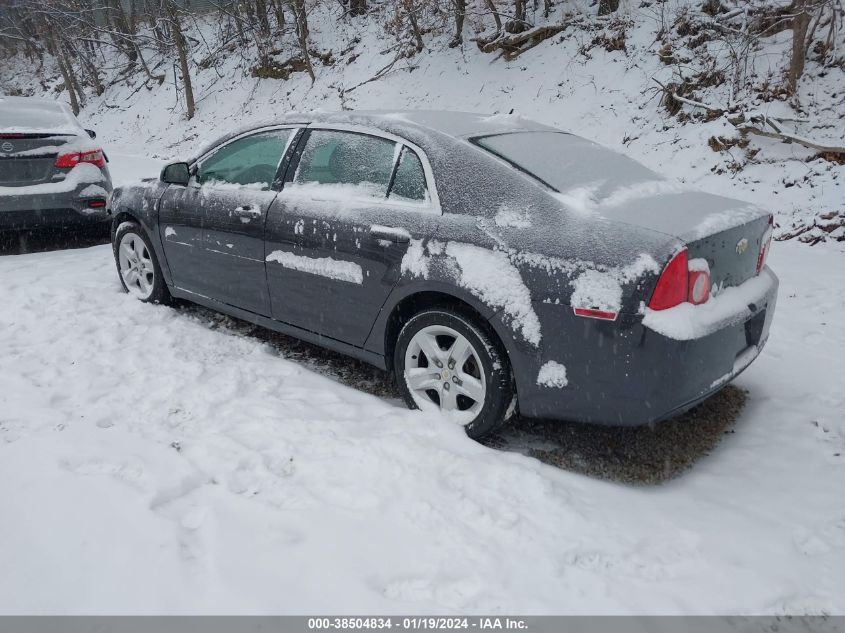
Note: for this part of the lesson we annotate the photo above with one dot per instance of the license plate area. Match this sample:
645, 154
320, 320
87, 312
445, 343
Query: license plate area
22, 171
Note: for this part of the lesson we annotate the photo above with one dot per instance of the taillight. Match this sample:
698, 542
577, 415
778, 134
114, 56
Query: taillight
68, 161
765, 245
673, 285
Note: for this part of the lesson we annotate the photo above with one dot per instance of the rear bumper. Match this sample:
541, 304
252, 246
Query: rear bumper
54, 210
51, 218
626, 373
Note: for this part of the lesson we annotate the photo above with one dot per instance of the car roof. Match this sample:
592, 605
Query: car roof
451, 123
34, 115
408, 124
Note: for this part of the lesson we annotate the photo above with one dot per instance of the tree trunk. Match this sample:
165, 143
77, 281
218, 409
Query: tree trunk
90, 68
182, 51
159, 78
518, 24
415, 27
358, 7
263, 20
279, 11
74, 80
519, 10
460, 15
606, 7
492, 6
800, 24
74, 102
239, 23
302, 35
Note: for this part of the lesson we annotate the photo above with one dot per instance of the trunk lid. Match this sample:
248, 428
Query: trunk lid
29, 159
727, 233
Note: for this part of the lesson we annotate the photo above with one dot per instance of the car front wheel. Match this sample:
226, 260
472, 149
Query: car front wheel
137, 265
444, 361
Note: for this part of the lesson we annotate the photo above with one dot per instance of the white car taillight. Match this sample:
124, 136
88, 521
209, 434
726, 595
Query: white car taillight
699, 281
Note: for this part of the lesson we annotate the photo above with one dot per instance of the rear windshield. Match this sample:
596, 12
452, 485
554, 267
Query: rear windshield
35, 115
565, 162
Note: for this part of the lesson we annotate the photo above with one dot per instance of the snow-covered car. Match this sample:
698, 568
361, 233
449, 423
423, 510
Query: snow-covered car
52, 173
487, 261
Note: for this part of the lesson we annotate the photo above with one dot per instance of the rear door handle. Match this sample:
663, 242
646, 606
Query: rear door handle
389, 233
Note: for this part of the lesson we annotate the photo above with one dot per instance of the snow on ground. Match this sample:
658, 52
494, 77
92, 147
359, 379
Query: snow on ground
153, 463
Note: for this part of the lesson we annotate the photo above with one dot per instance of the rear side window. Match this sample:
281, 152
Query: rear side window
565, 162
409, 181
249, 161
347, 158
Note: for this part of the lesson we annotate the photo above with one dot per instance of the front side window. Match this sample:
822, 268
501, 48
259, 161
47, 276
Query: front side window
409, 181
251, 161
348, 162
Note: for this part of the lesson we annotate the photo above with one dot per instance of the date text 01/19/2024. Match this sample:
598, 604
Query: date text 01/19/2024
418, 623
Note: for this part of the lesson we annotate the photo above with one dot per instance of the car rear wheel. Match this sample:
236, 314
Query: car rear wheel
444, 361
137, 265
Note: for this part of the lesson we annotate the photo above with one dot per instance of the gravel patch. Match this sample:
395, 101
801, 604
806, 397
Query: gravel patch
647, 454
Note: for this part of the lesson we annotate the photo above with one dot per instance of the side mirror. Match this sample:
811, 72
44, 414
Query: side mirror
91, 133
176, 174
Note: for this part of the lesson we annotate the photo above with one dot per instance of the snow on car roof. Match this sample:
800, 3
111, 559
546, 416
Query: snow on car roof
29, 114
453, 124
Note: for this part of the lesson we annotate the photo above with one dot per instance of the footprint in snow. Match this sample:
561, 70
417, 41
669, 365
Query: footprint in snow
130, 471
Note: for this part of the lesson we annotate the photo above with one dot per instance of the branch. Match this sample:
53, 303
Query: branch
742, 124
791, 138
695, 104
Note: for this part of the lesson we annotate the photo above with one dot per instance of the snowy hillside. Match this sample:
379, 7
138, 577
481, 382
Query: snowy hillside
597, 78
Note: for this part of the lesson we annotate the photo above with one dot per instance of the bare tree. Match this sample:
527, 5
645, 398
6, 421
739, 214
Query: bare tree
491, 5
302, 33
460, 9
182, 51
800, 25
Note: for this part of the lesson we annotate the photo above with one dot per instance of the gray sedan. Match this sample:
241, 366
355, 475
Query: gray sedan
493, 264
52, 173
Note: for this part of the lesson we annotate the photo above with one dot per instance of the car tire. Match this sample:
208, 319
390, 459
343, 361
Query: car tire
137, 264
451, 382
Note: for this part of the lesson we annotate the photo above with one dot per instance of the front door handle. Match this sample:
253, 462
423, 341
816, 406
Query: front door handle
390, 233
248, 212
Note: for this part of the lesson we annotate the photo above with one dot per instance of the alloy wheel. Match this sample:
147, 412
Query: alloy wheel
443, 370
136, 265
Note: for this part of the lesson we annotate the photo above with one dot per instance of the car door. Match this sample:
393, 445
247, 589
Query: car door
337, 233
213, 229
